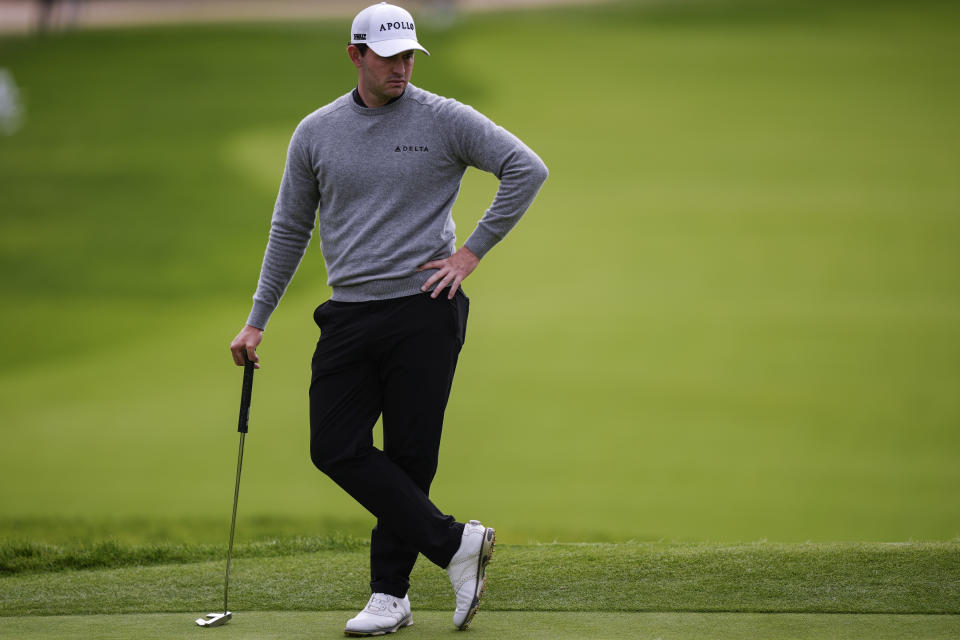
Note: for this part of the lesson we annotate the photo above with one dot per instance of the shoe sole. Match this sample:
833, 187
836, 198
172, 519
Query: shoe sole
406, 622
486, 552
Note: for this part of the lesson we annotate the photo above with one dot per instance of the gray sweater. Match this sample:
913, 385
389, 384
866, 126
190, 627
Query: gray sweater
381, 184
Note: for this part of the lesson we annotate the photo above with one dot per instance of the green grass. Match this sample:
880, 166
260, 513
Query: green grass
307, 588
629, 577
733, 314
33, 557
430, 625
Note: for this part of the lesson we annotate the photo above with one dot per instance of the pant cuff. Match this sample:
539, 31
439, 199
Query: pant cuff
390, 587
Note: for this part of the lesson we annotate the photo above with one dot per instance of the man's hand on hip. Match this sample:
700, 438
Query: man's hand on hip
247, 340
450, 272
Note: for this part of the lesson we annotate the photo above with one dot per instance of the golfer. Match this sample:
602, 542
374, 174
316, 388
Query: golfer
379, 169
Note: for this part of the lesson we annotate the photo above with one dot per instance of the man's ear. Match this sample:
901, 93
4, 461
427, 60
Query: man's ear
354, 54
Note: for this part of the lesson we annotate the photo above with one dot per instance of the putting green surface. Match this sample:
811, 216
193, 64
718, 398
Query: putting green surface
267, 625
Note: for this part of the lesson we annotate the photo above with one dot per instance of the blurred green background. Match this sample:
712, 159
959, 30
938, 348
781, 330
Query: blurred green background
732, 314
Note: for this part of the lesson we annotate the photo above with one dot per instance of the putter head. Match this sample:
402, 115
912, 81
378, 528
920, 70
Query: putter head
215, 619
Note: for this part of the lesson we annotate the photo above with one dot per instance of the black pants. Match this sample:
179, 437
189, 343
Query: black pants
396, 358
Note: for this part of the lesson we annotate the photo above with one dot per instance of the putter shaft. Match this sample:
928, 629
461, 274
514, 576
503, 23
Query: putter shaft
233, 524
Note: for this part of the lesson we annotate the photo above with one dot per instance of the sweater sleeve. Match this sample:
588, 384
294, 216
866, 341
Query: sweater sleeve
291, 227
487, 146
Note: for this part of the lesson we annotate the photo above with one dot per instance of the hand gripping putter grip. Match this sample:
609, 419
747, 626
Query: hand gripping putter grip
217, 619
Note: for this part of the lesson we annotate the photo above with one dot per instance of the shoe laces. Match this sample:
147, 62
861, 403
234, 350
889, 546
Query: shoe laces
377, 603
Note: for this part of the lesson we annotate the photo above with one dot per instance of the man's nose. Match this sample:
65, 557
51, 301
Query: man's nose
400, 66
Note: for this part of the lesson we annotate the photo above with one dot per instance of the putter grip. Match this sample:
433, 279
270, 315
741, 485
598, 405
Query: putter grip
245, 394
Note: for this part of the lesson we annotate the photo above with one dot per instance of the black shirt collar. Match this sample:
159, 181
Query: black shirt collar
360, 102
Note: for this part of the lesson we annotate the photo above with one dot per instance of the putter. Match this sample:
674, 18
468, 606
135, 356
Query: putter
217, 619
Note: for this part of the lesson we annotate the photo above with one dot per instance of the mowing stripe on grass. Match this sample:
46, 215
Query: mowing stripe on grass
269, 625
762, 577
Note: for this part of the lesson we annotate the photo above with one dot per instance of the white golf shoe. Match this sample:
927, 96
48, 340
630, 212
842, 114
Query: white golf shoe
383, 614
467, 570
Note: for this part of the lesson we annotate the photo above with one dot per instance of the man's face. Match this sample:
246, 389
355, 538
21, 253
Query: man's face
382, 79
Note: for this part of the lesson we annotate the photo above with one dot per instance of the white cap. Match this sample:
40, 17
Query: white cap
385, 28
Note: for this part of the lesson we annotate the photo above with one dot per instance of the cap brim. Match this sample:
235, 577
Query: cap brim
389, 48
